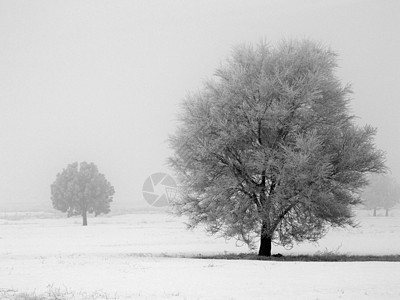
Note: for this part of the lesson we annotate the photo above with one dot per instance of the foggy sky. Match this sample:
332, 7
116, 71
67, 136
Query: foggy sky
101, 81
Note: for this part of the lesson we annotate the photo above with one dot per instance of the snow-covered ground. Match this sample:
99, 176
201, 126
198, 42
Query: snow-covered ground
141, 256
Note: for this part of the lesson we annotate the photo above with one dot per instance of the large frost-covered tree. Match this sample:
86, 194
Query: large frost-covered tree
81, 190
268, 150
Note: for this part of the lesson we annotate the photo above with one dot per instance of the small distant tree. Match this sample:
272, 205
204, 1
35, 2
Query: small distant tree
81, 190
268, 149
382, 192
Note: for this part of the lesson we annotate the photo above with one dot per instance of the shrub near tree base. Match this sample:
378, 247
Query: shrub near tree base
82, 191
268, 149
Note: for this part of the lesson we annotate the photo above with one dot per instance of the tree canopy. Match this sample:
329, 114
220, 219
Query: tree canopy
81, 189
268, 150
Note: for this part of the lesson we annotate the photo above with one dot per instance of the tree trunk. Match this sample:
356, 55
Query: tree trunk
265, 246
84, 216
374, 211
387, 212
265, 241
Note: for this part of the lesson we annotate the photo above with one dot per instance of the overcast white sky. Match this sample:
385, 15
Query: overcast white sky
101, 81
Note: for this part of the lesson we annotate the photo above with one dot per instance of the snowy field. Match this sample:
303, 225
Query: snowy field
146, 256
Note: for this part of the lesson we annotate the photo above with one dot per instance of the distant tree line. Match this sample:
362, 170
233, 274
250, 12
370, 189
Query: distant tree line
383, 192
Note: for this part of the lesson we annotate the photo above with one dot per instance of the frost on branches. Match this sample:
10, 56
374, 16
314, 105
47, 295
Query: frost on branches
268, 151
